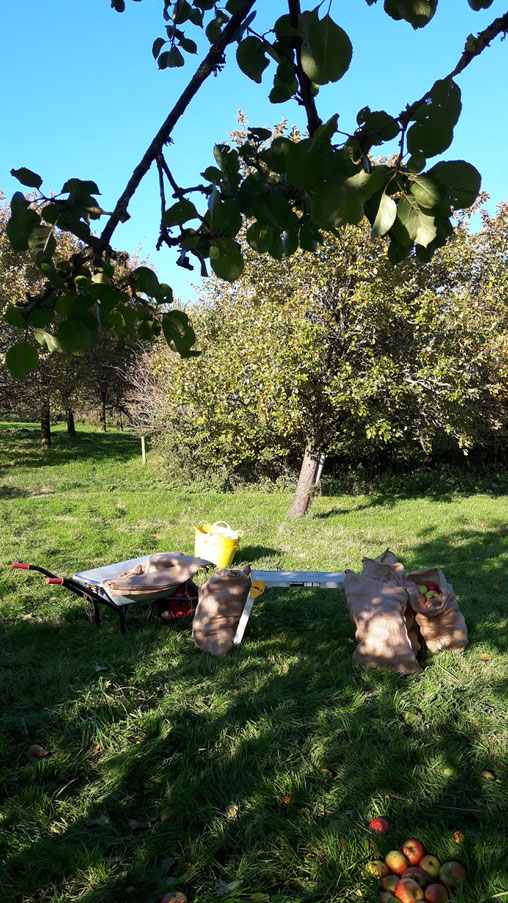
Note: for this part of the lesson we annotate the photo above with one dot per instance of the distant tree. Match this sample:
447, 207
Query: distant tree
66, 381
339, 352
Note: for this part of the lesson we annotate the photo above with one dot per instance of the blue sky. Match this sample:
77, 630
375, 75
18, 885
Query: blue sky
83, 97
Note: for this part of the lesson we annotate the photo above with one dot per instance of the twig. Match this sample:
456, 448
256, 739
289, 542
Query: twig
313, 120
210, 63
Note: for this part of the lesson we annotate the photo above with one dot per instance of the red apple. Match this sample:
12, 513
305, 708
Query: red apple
417, 874
381, 825
433, 586
414, 851
396, 862
408, 891
174, 896
452, 874
377, 868
431, 865
389, 882
436, 893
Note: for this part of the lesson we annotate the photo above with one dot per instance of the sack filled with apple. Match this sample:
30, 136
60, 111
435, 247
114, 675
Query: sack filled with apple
377, 600
436, 609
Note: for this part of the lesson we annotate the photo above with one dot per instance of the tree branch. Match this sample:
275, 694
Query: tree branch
483, 39
213, 58
313, 120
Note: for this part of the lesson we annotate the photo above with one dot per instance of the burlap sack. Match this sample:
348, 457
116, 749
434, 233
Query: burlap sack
377, 601
158, 576
441, 623
221, 602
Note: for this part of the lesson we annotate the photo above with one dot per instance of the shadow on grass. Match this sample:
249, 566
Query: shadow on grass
264, 767
85, 446
440, 484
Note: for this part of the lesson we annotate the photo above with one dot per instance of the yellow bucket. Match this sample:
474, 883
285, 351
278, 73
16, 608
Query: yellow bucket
217, 542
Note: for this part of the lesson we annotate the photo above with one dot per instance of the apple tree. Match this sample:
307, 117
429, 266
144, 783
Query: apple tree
293, 195
366, 357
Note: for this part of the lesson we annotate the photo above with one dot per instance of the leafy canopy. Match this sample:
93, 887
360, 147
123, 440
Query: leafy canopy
291, 193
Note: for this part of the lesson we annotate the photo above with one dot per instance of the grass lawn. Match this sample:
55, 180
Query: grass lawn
252, 777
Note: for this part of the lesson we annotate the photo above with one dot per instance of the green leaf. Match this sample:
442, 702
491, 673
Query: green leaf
171, 59
27, 177
251, 58
212, 174
379, 125
77, 187
260, 237
188, 45
435, 119
461, 179
257, 134
40, 317
41, 243
277, 154
158, 44
426, 191
417, 12
21, 360
326, 51
178, 332
420, 227
332, 205
226, 259
385, 216
22, 222
146, 281
74, 337
179, 213
226, 217
48, 341
14, 316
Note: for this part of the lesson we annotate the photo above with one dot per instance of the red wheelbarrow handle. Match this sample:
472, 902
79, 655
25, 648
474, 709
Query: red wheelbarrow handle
17, 564
59, 580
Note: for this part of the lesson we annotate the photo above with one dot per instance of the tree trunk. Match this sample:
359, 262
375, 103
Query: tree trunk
71, 427
45, 425
102, 416
306, 481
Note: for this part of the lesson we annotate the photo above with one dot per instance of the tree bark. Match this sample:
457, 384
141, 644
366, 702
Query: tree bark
71, 426
306, 481
45, 425
102, 416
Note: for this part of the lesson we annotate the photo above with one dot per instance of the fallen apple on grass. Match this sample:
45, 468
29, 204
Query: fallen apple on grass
377, 868
408, 891
436, 893
452, 874
414, 851
396, 862
431, 865
389, 882
174, 896
417, 874
380, 825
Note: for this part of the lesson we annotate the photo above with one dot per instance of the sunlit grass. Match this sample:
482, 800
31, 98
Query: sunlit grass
264, 767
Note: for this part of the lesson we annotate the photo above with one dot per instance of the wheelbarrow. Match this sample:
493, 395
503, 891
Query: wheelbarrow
171, 606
